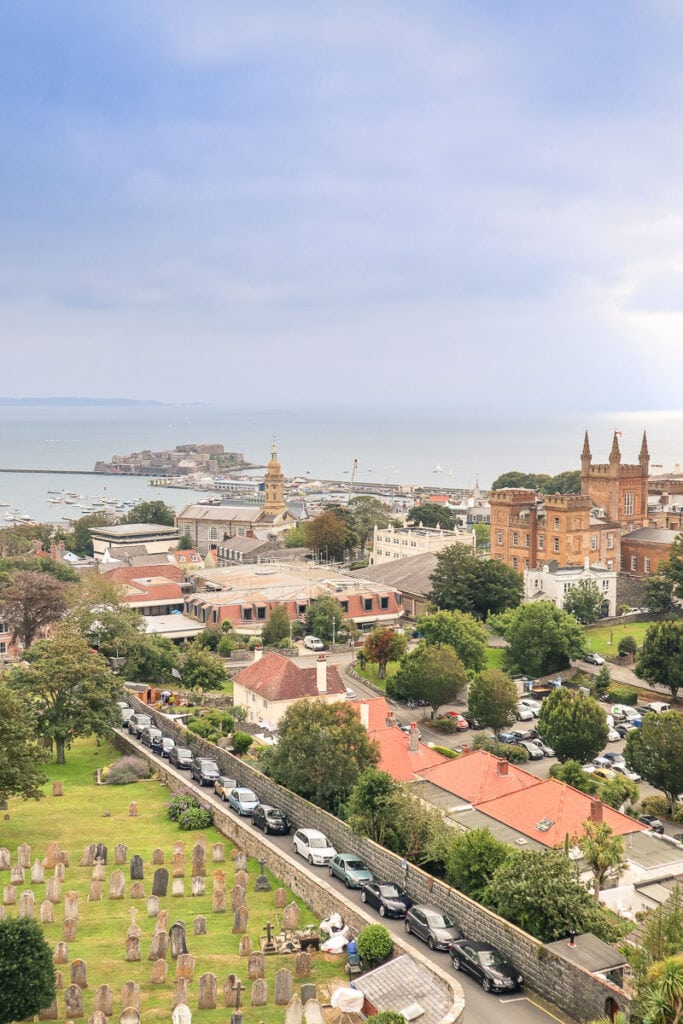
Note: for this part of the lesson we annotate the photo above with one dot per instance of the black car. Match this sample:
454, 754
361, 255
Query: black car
181, 757
653, 823
389, 899
148, 735
624, 728
433, 926
205, 771
486, 964
271, 820
167, 745
473, 722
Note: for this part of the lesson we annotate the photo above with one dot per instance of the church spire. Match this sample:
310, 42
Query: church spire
644, 456
586, 452
615, 454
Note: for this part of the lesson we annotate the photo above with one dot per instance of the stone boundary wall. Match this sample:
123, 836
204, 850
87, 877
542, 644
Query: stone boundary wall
306, 883
571, 988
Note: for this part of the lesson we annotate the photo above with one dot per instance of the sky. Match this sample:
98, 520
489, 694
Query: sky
388, 205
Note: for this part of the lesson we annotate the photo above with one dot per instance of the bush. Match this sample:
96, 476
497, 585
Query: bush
195, 817
446, 751
445, 725
241, 742
627, 645
253, 643
126, 770
387, 1017
226, 645
374, 944
657, 805
677, 816
622, 695
511, 752
178, 805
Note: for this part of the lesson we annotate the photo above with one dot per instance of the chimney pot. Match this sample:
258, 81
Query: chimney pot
503, 768
258, 653
412, 738
596, 811
321, 674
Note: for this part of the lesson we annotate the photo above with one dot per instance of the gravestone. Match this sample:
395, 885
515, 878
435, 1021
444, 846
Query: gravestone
184, 966
117, 885
98, 872
134, 932
240, 860
9, 895
95, 892
129, 1016
181, 1014
24, 855
47, 912
159, 974
198, 861
230, 989
218, 853
37, 873
130, 995
27, 904
159, 948
160, 883
219, 879
50, 858
133, 809
308, 991
200, 925
120, 853
104, 1000
50, 1012
244, 946
132, 948
218, 901
73, 1001
5, 859
313, 1012
61, 953
198, 885
178, 941
302, 965
240, 921
158, 856
79, 973
256, 967
178, 869
259, 992
201, 839
101, 852
59, 981
180, 992
137, 891
178, 887
136, 868
283, 987
262, 882
88, 858
61, 865
208, 984
242, 879
16, 875
290, 918
71, 904
69, 929
97, 1017
237, 896
179, 846
152, 905
294, 1014
58, 789
161, 921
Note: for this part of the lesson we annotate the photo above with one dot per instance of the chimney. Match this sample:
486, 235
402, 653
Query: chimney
596, 811
364, 711
465, 749
258, 654
321, 674
503, 769
389, 721
412, 738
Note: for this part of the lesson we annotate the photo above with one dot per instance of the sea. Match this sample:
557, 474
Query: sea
449, 451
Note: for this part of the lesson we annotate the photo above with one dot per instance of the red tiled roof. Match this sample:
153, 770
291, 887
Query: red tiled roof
278, 678
397, 759
478, 776
151, 591
137, 573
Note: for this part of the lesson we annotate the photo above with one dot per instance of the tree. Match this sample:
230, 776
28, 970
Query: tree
241, 741
602, 851
472, 860
435, 674
573, 725
153, 512
603, 680
27, 974
72, 687
384, 645
209, 639
151, 660
322, 750
324, 616
482, 531
658, 593
31, 601
434, 517
573, 774
371, 807
541, 639
80, 541
202, 670
617, 792
627, 645
296, 537
567, 482
655, 751
465, 634
20, 754
277, 627
661, 1001
374, 944
328, 536
585, 602
672, 569
661, 657
367, 513
537, 890
492, 699
463, 582
185, 543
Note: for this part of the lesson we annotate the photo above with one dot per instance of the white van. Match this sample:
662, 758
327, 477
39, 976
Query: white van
313, 643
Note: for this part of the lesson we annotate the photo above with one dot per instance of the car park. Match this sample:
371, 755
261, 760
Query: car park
224, 786
389, 899
350, 870
149, 734
435, 927
271, 819
243, 800
594, 659
523, 713
181, 757
534, 706
205, 771
313, 845
137, 723
484, 963
167, 745
313, 643
652, 822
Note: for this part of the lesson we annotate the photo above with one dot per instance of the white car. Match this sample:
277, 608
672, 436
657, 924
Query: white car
534, 706
658, 706
594, 659
620, 768
314, 846
613, 736
313, 643
524, 714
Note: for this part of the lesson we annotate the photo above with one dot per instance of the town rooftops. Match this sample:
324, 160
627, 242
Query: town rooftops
222, 513
409, 988
133, 530
480, 776
651, 535
277, 678
589, 952
412, 575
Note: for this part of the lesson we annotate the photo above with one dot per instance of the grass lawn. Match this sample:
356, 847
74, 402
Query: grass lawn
494, 657
77, 819
605, 639
371, 670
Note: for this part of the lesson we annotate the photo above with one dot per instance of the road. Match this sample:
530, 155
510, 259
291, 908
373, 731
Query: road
481, 1008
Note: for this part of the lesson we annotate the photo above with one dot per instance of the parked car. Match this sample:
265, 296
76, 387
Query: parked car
352, 871
313, 845
507, 737
653, 823
489, 967
434, 927
157, 743
534, 706
602, 761
126, 715
271, 820
389, 899
525, 734
406, 729
313, 643
473, 722
614, 757
243, 800
149, 733
224, 786
620, 768
533, 750
658, 707
205, 771
350, 694
524, 714
181, 757
167, 745
138, 722
594, 659
612, 735
606, 774
547, 751
623, 729
460, 721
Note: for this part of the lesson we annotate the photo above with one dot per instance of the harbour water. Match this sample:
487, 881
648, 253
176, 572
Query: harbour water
441, 451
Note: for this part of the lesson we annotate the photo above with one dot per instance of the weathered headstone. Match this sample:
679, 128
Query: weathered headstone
159, 947
178, 869
159, 974
256, 967
27, 904
50, 1012
50, 858
61, 865
218, 901
180, 992
95, 892
158, 856
198, 860
160, 883
184, 967
129, 1016
120, 853
181, 1014
101, 852
294, 1014
237, 896
9, 895
199, 925
61, 953
99, 873
201, 839
79, 973
5, 859
88, 858
283, 987
47, 912
313, 1012
259, 992
137, 891
71, 904
218, 853
240, 921
208, 985
24, 855
58, 789
244, 946
37, 873
69, 929
230, 989
152, 905
219, 879
302, 965
262, 882
133, 809
198, 885
134, 932
242, 879
97, 1017
290, 918
179, 846
104, 1000
16, 875
137, 872
178, 887
240, 861
161, 921
73, 1001
130, 995
132, 948
117, 885
178, 941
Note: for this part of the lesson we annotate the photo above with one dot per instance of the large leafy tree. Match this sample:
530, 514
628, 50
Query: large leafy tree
573, 774
324, 616
492, 698
602, 850
461, 581
661, 1000
20, 754
371, 807
384, 645
655, 751
31, 601
672, 569
156, 512
434, 674
465, 634
73, 689
585, 602
661, 656
151, 660
80, 540
277, 627
321, 752
567, 482
27, 974
202, 670
367, 513
328, 535
575, 726
658, 593
472, 859
433, 516
541, 638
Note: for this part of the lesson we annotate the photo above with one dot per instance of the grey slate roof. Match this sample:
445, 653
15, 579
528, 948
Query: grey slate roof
652, 535
411, 575
589, 952
401, 983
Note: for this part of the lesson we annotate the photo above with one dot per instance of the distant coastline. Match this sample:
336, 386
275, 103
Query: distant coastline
70, 402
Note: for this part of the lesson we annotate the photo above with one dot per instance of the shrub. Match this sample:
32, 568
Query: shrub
511, 752
657, 805
622, 695
127, 770
446, 751
445, 725
387, 1017
226, 645
195, 817
253, 643
677, 816
374, 944
178, 805
627, 645
241, 742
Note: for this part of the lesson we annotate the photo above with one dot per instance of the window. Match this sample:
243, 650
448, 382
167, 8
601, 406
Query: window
526, 540
345, 607
556, 523
646, 565
384, 603
367, 604
265, 703
594, 543
187, 529
634, 563
610, 541
556, 544
260, 613
301, 609
605, 584
3, 628
215, 616
514, 538
499, 537
247, 614
629, 503
514, 563
213, 533
3, 647
541, 542
621, 562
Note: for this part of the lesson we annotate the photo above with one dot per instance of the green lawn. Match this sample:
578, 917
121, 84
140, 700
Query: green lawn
605, 639
494, 657
371, 670
77, 819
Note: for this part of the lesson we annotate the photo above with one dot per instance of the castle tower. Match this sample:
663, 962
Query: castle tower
619, 488
274, 485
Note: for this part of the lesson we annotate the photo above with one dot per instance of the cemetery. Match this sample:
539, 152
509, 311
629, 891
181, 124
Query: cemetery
150, 923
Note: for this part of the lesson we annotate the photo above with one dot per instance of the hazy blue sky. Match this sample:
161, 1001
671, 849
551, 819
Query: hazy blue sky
414, 205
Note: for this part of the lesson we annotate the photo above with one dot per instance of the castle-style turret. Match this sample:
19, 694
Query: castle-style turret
644, 456
615, 454
585, 456
274, 485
